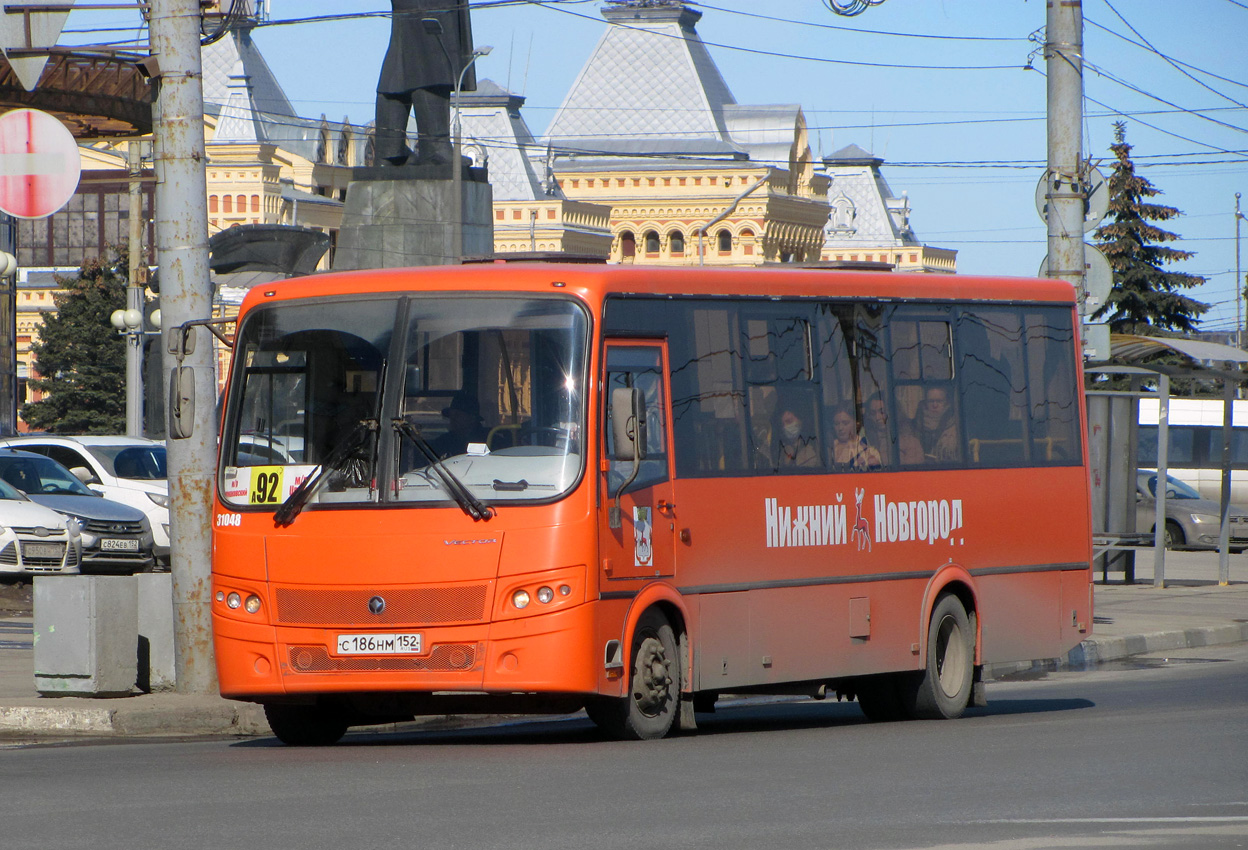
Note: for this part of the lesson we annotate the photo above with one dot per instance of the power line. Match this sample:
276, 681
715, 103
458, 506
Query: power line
1170, 61
777, 55
858, 31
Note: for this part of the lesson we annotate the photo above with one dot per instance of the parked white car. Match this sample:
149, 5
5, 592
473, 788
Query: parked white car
130, 470
35, 539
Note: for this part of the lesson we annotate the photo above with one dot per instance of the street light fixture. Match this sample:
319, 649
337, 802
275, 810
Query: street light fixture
129, 323
458, 165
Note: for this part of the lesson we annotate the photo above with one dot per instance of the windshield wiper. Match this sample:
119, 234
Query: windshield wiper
333, 462
469, 503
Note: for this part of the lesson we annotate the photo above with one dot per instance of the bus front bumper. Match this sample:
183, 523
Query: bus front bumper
548, 653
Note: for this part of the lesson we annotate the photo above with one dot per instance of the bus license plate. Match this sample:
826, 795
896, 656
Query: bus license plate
408, 643
113, 544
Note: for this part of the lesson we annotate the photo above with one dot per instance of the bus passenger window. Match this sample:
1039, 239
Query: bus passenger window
990, 377
1051, 383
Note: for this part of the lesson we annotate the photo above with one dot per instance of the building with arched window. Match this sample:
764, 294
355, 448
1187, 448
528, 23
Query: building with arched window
650, 129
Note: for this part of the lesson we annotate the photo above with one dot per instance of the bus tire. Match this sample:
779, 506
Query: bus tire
943, 690
305, 725
649, 711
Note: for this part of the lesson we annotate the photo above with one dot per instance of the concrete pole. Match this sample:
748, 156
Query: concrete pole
186, 294
134, 294
1066, 196
1240, 290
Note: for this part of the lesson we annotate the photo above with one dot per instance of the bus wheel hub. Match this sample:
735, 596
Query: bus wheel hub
651, 689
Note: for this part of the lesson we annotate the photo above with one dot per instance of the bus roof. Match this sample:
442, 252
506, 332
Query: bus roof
594, 282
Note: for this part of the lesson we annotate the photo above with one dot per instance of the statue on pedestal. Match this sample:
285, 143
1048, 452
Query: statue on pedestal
430, 43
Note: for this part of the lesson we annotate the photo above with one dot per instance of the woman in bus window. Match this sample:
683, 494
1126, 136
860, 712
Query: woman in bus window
849, 450
797, 448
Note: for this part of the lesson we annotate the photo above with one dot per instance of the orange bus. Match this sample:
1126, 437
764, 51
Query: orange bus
532, 487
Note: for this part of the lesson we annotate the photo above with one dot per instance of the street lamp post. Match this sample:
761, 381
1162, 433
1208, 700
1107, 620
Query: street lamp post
457, 167
129, 323
433, 27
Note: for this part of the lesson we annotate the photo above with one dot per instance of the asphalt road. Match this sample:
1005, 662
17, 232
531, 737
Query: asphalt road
1153, 754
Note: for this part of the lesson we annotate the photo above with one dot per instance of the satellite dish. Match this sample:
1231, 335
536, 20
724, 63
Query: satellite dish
1095, 204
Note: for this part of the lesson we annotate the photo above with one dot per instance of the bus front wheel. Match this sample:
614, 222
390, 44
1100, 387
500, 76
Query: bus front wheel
944, 688
653, 701
305, 725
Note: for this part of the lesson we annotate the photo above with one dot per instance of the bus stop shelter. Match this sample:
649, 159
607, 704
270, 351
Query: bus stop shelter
1113, 436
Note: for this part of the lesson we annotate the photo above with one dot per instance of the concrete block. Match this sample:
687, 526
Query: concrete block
86, 635
156, 665
400, 223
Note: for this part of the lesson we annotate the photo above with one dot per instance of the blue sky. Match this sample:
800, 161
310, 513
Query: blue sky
974, 102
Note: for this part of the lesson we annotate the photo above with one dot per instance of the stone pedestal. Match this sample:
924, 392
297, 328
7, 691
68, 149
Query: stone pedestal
398, 217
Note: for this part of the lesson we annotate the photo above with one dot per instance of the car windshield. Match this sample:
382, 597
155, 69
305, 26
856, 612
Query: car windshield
32, 473
137, 463
490, 386
1174, 489
7, 491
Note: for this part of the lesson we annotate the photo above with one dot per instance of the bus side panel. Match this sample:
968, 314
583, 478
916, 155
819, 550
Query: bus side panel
802, 577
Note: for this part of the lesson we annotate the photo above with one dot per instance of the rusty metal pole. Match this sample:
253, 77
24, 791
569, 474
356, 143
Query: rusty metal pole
186, 294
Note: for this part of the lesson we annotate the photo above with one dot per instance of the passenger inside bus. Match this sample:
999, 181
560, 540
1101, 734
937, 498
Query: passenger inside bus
797, 445
935, 429
875, 429
849, 449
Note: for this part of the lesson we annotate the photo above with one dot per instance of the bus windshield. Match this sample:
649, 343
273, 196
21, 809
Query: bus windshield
455, 394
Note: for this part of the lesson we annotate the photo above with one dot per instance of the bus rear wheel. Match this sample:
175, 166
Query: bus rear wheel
653, 702
943, 690
305, 725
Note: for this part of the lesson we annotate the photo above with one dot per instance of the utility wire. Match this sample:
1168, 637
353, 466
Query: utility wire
776, 55
1170, 61
858, 31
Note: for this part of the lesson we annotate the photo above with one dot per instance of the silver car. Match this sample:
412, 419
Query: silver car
1192, 522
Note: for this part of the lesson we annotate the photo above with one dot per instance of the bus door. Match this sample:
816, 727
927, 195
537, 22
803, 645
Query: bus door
642, 543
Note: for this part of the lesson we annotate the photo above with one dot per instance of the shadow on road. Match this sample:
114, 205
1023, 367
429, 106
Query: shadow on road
747, 716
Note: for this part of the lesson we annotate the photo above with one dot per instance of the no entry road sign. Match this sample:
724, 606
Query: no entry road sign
39, 164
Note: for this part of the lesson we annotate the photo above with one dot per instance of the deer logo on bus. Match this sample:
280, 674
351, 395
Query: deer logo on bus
862, 529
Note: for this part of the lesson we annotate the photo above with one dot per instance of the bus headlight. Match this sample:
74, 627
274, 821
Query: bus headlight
233, 600
252, 605
545, 594
520, 599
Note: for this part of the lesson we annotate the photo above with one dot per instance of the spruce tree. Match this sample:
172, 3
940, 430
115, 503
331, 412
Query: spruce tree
1144, 296
80, 358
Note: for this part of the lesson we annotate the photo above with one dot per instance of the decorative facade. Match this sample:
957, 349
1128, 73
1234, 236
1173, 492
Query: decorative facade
531, 212
867, 223
650, 128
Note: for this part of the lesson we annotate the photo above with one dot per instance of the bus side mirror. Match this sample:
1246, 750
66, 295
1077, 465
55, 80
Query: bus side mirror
181, 402
628, 423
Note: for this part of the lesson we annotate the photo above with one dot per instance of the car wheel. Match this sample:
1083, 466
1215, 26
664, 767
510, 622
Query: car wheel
1174, 535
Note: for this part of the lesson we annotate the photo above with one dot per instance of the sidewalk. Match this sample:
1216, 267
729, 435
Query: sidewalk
1191, 611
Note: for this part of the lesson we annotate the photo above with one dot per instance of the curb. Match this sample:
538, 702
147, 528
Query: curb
173, 716
1095, 651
